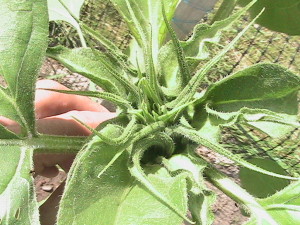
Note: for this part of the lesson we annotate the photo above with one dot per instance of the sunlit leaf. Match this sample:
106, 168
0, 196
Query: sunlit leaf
251, 88
283, 207
23, 35
18, 203
116, 196
89, 65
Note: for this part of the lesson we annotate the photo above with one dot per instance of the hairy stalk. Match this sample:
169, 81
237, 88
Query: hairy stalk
111, 49
81, 36
237, 193
151, 73
103, 40
116, 99
183, 66
126, 83
121, 140
48, 144
196, 137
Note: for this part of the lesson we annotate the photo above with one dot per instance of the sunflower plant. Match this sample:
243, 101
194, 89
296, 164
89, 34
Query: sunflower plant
141, 167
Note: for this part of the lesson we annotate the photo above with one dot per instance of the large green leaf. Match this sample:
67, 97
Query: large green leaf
23, 35
18, 203
94, 65
263, 86
281, 208
115, 195
279, 15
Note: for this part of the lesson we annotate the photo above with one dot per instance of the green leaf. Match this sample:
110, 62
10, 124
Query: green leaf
251, 88
195, 50
58, 12
200, 198
252, 85
115, 195
207, 125
6, 134
278, 16
267, 185
18, 203
259, 214
145, 20
23, 35
262, 119
283, 207
149, 209
122, 103
85, 62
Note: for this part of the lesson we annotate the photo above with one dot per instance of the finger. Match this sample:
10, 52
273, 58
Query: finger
10, 124
50, 103
65, 124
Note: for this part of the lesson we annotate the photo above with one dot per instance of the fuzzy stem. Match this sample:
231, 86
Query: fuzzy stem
49, 144
81, 37
235, 192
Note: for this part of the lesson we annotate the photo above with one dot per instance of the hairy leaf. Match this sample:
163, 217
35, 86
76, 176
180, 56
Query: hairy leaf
199, 139
122, 103
18, 203
145, 20
191, 88
115, 195
23, 35
251, 88
200, 198
90, 66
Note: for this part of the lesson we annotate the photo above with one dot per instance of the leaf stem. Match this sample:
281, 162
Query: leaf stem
237, 193
81, 37
48, 144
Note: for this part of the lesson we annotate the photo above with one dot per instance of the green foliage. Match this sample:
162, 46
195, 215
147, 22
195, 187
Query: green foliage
268, 185
142, 168
278, 16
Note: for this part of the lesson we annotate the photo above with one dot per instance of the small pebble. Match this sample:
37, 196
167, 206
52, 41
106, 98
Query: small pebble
47, 188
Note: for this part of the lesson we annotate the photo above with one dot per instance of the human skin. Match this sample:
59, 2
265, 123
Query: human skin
55, 114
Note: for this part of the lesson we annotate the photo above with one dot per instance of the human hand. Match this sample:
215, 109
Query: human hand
54, 114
